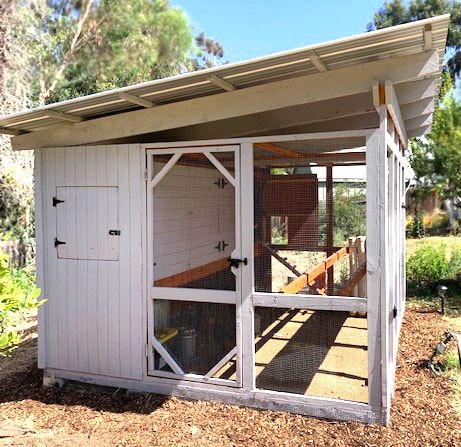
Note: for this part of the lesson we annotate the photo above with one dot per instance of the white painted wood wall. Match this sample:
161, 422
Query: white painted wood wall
92, 321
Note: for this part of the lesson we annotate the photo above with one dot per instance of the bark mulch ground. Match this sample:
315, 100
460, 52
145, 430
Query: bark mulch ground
422, 414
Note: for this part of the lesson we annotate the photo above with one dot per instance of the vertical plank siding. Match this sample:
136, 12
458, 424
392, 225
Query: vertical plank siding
93, 316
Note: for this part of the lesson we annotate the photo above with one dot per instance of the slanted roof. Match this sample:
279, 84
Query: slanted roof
409, 39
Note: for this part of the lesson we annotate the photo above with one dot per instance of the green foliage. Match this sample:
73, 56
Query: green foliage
417, 226
436, 158
18, 295
78, 47
349, 213
396, 12
451, 361
16, 204
279, 234
433, 263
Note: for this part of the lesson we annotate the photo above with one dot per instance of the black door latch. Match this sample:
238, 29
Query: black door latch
233, 262
56, 201
58, 242
114, 232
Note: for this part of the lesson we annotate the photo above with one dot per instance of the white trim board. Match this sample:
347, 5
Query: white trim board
324, 408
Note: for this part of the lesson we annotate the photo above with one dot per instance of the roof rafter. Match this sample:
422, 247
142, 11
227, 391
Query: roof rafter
317, 61
136, 100
427, 37
63, 116
260, 98
271, 147
7, 131
220, 82
419, 121
419, 131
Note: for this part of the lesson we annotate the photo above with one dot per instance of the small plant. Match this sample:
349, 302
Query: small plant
431, 264
17, 296
417, 226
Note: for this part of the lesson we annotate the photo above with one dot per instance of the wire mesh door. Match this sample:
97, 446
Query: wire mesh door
194, 263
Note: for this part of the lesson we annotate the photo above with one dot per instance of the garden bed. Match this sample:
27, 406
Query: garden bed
422, 413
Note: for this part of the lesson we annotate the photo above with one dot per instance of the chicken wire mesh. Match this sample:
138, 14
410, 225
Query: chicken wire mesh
314, 353
193, 221
310, 217
196, 335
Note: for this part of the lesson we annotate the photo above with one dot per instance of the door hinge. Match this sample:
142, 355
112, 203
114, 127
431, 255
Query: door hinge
220, 183
56, 201
146, 349
145, 174
58, 242
394, 312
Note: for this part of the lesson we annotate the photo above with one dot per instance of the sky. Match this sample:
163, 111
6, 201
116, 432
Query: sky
252, 28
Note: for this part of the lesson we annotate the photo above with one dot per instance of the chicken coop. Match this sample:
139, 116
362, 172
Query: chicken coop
236, 233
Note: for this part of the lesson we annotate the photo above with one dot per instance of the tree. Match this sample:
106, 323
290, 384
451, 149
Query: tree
396, 12
79, 47
209, 52
436, 158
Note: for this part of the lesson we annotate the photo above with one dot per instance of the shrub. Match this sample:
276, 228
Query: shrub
433, 263
417, 226
17, 296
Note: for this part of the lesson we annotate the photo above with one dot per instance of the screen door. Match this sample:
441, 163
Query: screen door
195, 263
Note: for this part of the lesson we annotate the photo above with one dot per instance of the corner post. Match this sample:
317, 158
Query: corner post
246, 306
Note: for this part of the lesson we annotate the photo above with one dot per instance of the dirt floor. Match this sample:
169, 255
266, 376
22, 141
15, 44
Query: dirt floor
422, 414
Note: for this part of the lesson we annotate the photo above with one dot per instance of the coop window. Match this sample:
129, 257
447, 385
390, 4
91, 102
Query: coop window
279, 230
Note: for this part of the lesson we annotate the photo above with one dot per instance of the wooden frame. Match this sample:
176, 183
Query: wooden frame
169, 288
40, 254
243, 391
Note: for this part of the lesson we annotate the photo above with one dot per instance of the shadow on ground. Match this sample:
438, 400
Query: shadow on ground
20, 379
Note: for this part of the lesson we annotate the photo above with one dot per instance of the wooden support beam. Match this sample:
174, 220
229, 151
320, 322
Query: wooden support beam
262, 123
276, 95
282, 260
427, 46
309, 278
288, 153
316, 157
7, 131
366, 121
202, 271
393, 107
329, 228
220, 82
348, 288
317, 61
63, 116
375, 91
136, 100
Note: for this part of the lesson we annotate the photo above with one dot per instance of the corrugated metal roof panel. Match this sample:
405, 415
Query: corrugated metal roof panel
388, 42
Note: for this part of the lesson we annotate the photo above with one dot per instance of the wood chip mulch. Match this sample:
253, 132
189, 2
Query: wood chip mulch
422, 414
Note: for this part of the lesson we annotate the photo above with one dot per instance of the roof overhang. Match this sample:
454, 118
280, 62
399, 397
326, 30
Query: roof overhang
327, 86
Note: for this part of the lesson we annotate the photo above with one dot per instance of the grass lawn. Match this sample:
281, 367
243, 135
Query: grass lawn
449, 241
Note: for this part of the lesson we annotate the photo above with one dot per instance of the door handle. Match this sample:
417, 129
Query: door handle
115, 232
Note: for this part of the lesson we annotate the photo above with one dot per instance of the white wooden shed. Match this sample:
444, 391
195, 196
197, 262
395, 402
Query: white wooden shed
236, 233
